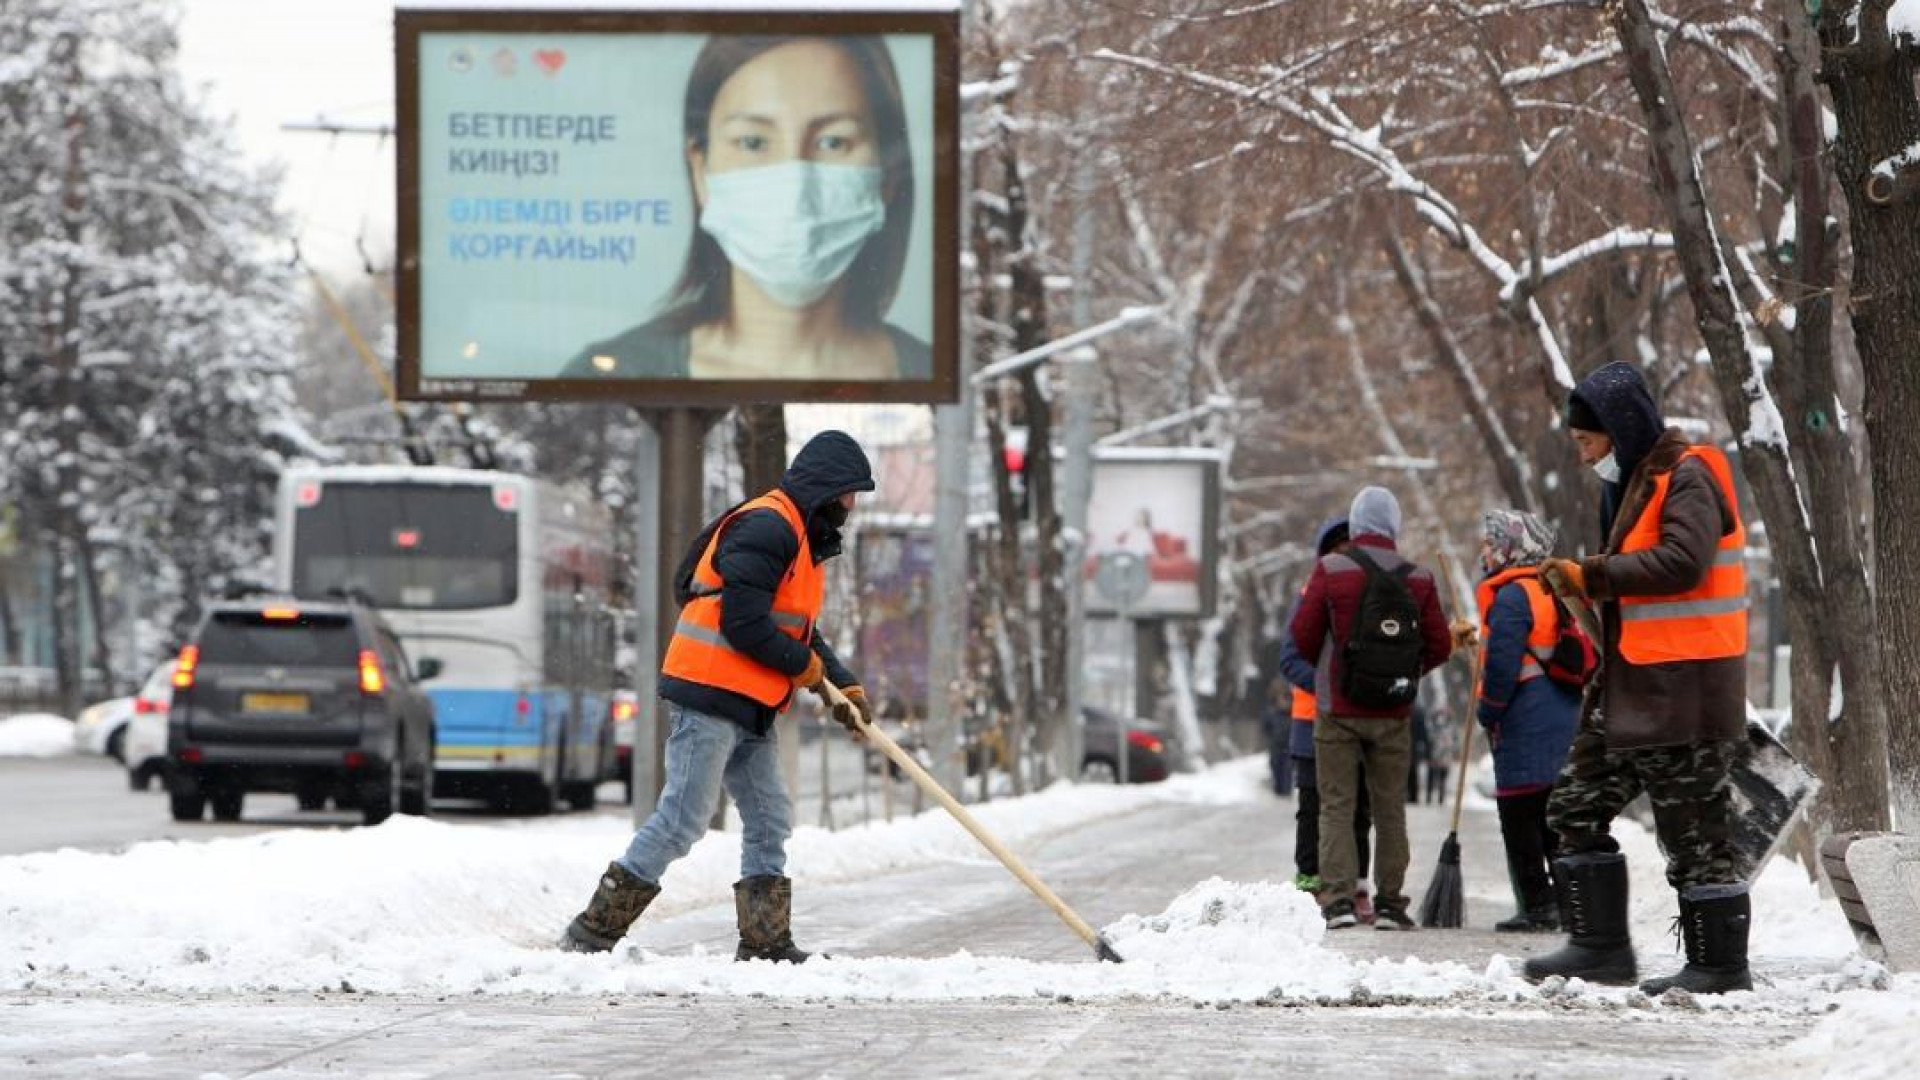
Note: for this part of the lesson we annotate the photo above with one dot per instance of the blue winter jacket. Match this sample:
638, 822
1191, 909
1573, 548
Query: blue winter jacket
1532, 723
1301, 672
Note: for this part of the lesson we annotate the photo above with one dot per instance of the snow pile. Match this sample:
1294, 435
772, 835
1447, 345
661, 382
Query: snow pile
35, 735
1865, 1037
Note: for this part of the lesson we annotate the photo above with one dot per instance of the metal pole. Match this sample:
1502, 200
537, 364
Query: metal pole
682, 446
1133, 705
647, 643
947, 612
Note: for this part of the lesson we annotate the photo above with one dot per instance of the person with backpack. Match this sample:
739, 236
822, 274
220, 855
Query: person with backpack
1303, 677
1534, 660
750, 587
1374, 619
1667, 712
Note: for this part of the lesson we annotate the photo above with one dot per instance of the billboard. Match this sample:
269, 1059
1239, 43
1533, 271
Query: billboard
1155, 512
678, 207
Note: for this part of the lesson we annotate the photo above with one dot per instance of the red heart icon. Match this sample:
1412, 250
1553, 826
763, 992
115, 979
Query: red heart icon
550, 60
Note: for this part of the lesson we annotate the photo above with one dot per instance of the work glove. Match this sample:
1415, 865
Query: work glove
850, 714
1465, 634
810, 678
1566, 575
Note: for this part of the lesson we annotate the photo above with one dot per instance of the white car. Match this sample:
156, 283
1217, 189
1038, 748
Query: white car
101, 728
145, 747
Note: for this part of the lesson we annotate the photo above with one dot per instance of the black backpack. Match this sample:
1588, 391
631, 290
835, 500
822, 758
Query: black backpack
1380, 668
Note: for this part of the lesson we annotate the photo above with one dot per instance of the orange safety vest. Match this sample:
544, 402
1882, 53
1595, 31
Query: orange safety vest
1304, 705
1546, 621
700, 653
1707, 622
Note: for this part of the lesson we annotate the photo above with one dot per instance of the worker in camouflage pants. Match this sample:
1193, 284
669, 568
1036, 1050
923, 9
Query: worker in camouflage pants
1668, 708
1687, 786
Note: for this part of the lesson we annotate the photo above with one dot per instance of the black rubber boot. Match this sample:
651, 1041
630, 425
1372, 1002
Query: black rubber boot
1593, 895
1536, 906
1714, 920
619, 899
764, 906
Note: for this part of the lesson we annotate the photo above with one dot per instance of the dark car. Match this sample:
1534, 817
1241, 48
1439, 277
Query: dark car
316, 699
1151, 751
1149, 748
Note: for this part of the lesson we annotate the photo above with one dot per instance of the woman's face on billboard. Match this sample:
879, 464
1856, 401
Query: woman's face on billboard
801, 101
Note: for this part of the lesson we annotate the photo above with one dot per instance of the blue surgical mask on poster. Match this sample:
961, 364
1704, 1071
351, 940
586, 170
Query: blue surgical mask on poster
796, 227
1608, 468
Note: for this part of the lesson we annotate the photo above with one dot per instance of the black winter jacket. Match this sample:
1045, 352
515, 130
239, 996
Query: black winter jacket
754, 553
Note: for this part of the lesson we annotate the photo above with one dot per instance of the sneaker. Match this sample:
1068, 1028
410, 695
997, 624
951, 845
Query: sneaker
1392, 918
1363, 906
1307, 882
1339, 915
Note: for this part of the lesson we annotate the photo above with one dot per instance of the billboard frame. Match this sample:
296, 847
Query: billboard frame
942, 25
1210, 463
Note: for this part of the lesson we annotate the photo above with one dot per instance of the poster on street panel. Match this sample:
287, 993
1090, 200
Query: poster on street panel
678, 206
1163, 506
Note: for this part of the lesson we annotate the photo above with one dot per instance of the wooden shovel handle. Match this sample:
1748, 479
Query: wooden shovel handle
939, 794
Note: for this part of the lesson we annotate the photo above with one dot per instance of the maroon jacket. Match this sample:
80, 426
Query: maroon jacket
1324, 620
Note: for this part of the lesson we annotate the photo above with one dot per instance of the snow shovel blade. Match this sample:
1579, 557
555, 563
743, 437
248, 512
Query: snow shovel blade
1769, 787
1102, 948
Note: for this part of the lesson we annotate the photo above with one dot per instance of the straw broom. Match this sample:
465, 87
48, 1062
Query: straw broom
1444, 905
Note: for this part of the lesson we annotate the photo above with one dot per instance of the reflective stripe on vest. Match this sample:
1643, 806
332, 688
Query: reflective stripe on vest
1304, 705
1546, 621
1709, 621
700, 653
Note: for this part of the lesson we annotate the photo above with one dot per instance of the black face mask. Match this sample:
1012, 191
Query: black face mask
834, 513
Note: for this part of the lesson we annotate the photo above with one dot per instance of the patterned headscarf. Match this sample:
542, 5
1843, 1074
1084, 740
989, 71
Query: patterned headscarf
1511, 538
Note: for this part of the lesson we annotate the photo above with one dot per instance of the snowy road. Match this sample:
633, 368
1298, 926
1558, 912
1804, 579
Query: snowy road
1256, 991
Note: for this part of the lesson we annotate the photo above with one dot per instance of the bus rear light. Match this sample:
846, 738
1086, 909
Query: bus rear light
183, 671
372, 681
191, 755
506, 498
406, 539
306, 495
280, 614
354, 759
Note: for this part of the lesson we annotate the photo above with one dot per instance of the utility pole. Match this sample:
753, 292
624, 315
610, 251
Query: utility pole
1076, 477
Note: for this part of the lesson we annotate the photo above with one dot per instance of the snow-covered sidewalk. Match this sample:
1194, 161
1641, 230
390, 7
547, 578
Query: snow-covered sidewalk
422, 909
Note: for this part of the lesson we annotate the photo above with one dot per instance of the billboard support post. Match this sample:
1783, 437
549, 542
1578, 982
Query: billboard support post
681, 435
647, 651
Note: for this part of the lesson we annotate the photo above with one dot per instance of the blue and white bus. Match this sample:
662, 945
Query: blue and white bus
503, 580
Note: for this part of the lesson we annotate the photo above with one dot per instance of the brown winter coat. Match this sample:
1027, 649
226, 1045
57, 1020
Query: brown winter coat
1685, 702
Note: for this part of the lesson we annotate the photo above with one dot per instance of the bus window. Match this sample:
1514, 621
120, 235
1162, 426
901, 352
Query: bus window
408, 546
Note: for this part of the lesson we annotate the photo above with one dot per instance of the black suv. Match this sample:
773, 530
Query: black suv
312, 698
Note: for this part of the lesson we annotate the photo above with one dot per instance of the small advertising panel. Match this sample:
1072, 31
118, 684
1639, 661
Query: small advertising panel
1152, 529
678, 207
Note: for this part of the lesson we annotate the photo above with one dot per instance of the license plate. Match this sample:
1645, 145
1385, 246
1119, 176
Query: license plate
273, 703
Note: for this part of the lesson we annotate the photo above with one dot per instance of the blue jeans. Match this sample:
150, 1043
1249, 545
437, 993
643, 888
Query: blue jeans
704, 752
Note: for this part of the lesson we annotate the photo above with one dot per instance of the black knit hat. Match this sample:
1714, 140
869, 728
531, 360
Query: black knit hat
1580, 415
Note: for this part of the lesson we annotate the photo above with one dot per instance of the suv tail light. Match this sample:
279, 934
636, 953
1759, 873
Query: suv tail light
372, 679
1145, 742
147, 706
183, 671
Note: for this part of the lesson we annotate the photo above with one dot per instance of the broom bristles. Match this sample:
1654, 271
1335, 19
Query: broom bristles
1442, 907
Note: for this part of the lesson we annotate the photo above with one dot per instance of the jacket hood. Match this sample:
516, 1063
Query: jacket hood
829, 466
1619, 397
1375, 512
1332, 531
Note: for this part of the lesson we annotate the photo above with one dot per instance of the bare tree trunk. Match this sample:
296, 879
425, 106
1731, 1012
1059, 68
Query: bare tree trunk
102, 652
1872, 84
760, 441
1815, 581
